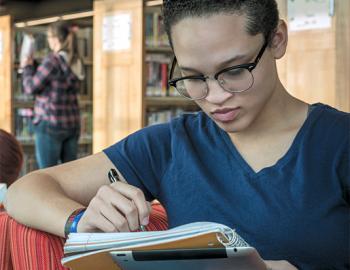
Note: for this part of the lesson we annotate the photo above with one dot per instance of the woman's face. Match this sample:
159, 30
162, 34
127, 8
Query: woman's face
206, 45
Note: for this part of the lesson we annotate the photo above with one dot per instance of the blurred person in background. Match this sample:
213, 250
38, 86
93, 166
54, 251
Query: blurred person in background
55, 85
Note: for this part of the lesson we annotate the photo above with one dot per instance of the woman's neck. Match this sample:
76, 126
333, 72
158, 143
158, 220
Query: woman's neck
275, 117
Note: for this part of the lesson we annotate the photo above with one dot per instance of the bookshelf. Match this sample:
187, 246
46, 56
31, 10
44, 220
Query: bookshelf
145, 99
20, 105
161, 102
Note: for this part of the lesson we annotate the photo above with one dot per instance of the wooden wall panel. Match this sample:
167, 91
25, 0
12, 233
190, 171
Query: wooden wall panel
311, 66
316, 67
342, 24
5, 74
118, 77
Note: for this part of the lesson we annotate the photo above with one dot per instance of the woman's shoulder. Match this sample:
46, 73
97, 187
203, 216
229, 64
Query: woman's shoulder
50, 59
330, 115
329, 122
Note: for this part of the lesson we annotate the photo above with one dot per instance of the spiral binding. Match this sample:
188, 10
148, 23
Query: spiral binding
232, 239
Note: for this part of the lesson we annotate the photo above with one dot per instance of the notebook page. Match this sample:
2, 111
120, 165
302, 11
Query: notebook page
91, 241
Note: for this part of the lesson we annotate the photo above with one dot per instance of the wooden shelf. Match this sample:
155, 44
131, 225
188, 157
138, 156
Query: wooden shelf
85, 102
166, 49
169, 101
23, 104
88, 61
30, 104
85, 141
45, 21
26, 143
152, 3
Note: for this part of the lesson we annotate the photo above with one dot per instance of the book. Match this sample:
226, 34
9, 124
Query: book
27, 48
154, 30
97, 250
157, 66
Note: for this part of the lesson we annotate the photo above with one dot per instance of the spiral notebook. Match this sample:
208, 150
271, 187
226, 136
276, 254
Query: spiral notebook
185, 247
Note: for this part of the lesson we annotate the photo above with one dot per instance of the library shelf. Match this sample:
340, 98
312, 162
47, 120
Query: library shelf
176, 101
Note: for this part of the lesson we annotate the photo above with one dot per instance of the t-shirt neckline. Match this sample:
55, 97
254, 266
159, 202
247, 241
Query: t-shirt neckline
317, 108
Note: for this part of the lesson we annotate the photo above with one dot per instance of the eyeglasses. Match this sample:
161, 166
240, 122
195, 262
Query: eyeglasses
235, 79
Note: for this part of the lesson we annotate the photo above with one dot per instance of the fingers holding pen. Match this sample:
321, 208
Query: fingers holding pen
114, 177
118, 222
116, 207
138, 202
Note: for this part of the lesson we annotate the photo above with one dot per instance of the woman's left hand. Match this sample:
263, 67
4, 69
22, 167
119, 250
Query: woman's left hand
26, 62
279, 265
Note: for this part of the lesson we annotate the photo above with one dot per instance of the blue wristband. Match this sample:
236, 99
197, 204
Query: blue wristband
74, 226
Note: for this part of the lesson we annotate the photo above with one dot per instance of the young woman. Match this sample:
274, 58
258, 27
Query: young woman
55, 85
256, 158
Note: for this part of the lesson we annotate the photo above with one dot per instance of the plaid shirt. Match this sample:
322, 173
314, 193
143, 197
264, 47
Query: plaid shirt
55, 87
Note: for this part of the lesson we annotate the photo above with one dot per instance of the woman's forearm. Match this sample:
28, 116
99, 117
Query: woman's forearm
25, 200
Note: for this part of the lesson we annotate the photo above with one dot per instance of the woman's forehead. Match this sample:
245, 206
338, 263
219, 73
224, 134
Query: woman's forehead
212, 39
209, 23
208, 33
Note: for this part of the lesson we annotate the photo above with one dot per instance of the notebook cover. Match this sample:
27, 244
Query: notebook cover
103, 260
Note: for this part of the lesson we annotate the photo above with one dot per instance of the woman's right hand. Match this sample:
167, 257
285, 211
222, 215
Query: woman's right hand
118, 207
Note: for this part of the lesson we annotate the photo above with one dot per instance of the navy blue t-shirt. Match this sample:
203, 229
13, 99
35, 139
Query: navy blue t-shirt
296, 210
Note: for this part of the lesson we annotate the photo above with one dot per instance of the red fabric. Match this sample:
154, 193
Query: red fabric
33, 249
158, 219
5, 255
23, 248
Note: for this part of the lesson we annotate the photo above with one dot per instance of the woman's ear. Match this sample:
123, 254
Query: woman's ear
280, 40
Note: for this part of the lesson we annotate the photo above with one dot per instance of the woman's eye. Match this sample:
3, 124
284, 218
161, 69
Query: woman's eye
234, 72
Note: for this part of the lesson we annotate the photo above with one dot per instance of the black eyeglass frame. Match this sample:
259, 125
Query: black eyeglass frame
250, 67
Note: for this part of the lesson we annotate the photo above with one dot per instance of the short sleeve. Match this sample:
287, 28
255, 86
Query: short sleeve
343, 171
142, 158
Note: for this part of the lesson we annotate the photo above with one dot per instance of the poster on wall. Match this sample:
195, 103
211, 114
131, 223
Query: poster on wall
1, 46
310, 14
116, 32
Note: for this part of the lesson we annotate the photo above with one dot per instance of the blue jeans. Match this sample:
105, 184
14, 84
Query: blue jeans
54, 145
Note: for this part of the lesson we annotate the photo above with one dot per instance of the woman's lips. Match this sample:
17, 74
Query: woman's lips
225, 115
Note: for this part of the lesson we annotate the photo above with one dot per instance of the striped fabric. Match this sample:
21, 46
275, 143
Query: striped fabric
158, 220
23, 248
5, 255
32, 249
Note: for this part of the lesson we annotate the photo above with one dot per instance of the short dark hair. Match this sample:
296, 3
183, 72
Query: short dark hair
11, 158
262, 15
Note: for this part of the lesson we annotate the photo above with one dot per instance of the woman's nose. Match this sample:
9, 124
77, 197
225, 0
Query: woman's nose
216, 94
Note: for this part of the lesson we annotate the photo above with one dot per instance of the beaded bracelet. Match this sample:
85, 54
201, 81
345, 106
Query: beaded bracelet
72, 221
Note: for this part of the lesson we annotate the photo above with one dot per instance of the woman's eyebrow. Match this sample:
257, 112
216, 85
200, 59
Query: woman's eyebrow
223, 64
231, 60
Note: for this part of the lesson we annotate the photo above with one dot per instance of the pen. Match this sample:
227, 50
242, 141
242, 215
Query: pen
113, 177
